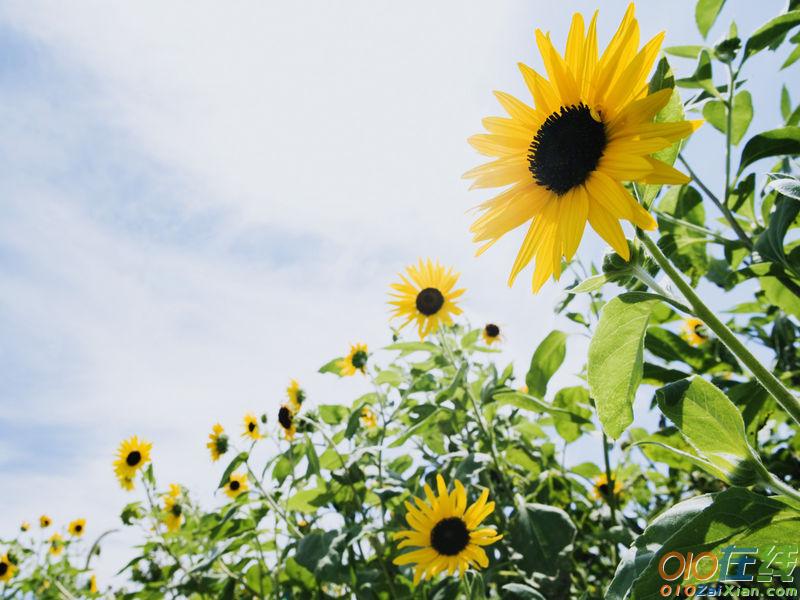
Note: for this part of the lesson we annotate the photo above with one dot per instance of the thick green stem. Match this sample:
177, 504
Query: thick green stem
780, 486
772, 384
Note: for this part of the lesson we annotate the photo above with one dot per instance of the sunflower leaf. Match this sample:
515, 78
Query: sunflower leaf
706, 13
784, 141
541, 534
771, 34
546, 360
332, 366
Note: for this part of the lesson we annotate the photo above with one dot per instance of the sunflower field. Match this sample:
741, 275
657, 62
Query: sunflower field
448, 479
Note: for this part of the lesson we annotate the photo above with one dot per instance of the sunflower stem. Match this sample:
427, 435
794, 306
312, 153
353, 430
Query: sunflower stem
612, 498
772, 384
783, 488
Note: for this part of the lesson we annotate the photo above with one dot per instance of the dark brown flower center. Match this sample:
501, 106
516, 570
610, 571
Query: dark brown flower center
359, 359
450, 536
234, 485
177, 510
285, 417
78, 528
429, 301
492, 330
3, 568
251, 427
133, 458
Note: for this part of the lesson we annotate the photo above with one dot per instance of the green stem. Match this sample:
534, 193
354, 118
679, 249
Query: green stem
769, 382
612, 498
783, 488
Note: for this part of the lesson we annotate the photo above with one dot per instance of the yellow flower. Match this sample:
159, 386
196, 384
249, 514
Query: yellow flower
77, 527
7, 568
24, 526
132, 455
92, 585
590, 128
173, 510
286, 421
237, 483
368, 418
426, 295
355, 361
219, 442
56, 544
446, 532
523, 388
695, 331
601, 489
44, 521
296, 395
251, 429
491, 334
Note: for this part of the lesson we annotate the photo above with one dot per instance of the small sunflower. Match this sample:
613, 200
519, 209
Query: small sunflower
426, 295
491, 333
56, 544
173, 510
355, 361
695, 331
7, 568
296, 395
446, 532
77, 527
601, 488
251, 429
286, 421
132, 455
92, 587
237, 484
590, 129
24, 526
368, 418
218, 444
45, 521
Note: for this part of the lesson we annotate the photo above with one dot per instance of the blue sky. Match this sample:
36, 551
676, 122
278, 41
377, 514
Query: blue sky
199, 204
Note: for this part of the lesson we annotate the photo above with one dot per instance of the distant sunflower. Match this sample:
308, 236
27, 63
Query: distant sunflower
491, 334
286, 421
7, 568
237, 484
92, 585
173, 510
565, 158
446, 532
77, 527
296, 395
368, 418
695, 331
251, 429
602, 489
56, 544
45, 521
355, 361
132, 455
426, 295
218, 444
24, 526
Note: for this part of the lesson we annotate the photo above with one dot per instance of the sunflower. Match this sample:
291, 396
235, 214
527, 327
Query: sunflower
7, 568
296, 395
56, 544
601, 488
237, 483
426, 295
45, 521
173, 510
355, 361
368, 418
132, 455
77, 527
24, 526
92, 587
446, 532
286, 421
219, 442
251, 429
491, 334
590, 128
695, 331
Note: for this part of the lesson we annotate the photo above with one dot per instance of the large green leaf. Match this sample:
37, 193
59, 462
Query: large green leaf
615, 359
770, 243
546, 359
784, 141
684, 245
771, 32
716, 113
705, 13
541, 534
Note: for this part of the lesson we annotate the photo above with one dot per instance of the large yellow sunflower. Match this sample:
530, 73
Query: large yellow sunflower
173, 510
251, 429
218, 444
590, 128
695, 331
132, 455
426, 295
355, 361
237, 484
286, 421
77, 527
7, 568
296, 395
446, 532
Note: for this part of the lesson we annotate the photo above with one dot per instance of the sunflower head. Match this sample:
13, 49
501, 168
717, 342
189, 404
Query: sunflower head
602, 490
491, 333
426, 296
368, 418
563, 159
132, 455
695, 331
24, 526
296, 395
77, 527
7, 568
446, 532
173, 509
92, 586
251, 428
45, 521
237, 484
286, 421
56, 544
355, 361
218, 442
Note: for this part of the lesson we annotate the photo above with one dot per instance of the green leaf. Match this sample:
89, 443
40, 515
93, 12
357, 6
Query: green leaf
786, 103
321, 553
237, 460
308, 501
526, 402
769, 244
333, 414
779, 295
546, 360
703, 76
331, 367
390, 376
615, 359
409, 347
540, 534
716, 113
590, 284
775, 142
771, 32
576, 401
521, 591
312, 458
684, 245
416, 428
283, 467
792, 58
706, 13
713, 426
788, 186
684, 51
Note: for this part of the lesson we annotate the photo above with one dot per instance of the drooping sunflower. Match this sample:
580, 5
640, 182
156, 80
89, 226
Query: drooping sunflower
56, 544
24, 526
251, 429
355, 361
695, 331
173, 509
218, 444
602, 490
491, 333
237, 484
446, 532
77, 527
296, 395
286, 421
7, 568
590, 129
132, 455
368, 418
45, 521
426, 295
